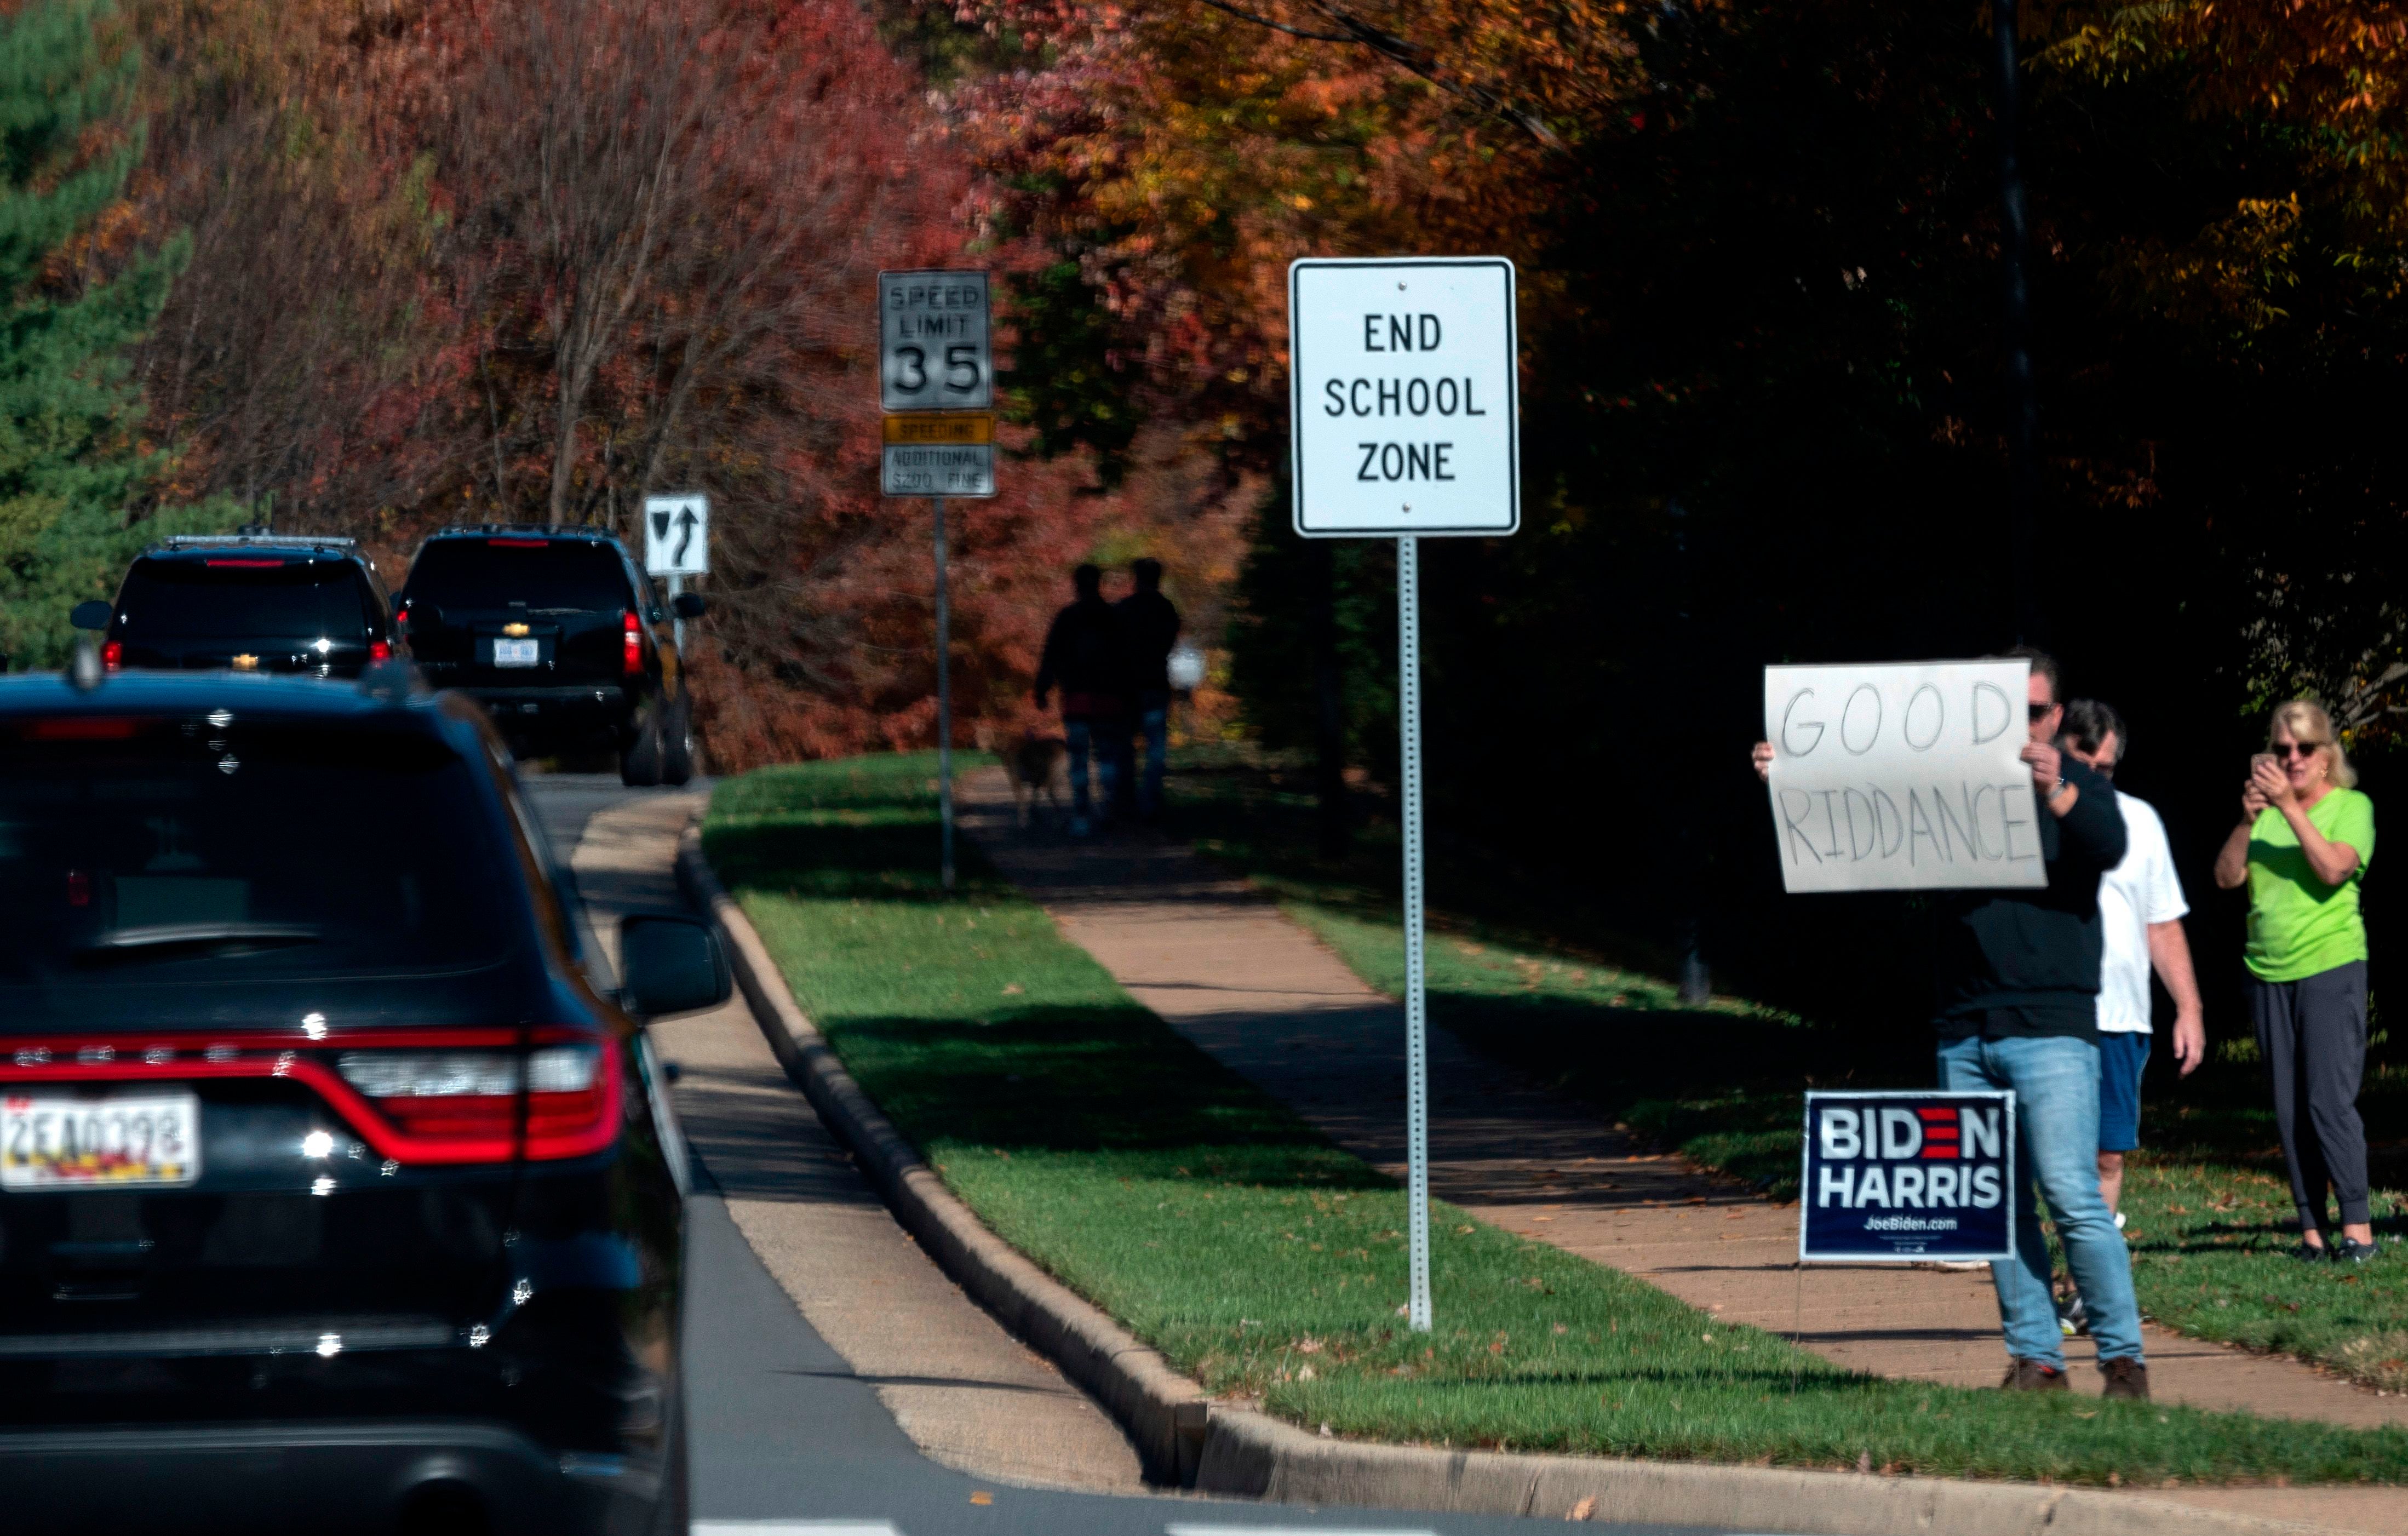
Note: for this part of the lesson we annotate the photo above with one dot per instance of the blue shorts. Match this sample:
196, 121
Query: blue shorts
2122, 1053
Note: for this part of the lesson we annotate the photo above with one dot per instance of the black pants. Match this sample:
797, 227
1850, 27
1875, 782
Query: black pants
2313, 1036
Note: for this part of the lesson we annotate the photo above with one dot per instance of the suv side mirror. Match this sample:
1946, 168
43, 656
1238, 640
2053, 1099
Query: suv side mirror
687, 605
671, 965
92, 615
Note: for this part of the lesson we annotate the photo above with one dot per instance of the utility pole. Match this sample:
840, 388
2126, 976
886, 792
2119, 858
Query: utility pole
2022, 389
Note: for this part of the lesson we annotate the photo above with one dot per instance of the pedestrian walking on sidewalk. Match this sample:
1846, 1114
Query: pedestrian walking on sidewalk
1085, 655
2017, 976
2140, 908
2302, 846
1150, 628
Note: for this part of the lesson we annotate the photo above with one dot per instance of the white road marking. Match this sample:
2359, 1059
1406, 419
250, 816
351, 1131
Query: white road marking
1184, 1530
791, 1528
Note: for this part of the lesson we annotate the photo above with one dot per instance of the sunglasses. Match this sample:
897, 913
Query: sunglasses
2039, 712
2295, 749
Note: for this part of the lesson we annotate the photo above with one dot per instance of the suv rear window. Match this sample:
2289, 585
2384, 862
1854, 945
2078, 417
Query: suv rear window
235, 596
167, 850
533, 575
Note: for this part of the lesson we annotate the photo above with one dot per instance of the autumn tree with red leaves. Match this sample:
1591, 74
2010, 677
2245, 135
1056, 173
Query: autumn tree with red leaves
461, 261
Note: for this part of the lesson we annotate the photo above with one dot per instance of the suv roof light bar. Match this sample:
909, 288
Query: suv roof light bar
526, 530
239, 540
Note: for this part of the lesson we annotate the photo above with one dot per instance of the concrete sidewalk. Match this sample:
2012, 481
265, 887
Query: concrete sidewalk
967, 1394
1218, 963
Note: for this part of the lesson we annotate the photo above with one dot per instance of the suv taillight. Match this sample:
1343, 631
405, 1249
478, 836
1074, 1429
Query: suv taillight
113, 654
631, 659
453, 1099
463, 1105
380, 651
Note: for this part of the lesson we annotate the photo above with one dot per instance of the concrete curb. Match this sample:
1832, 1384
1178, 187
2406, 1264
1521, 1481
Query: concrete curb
1184, 1438
1162, 1411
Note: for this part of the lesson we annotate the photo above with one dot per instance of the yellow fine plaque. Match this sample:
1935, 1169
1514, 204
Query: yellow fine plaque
935, 428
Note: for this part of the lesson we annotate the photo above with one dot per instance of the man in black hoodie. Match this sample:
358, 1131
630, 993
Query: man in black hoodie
2016, 975
2019, 996
1084, 653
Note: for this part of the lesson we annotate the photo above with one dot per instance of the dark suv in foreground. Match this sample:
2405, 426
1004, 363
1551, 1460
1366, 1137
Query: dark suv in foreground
253, 602
562, 638
335, 1196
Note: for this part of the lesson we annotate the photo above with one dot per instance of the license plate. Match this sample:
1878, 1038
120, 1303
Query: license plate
517, 652
58, 1143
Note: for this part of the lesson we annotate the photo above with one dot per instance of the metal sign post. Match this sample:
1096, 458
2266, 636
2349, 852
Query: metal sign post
936, 381
944, 709
1404, 421
1408, 720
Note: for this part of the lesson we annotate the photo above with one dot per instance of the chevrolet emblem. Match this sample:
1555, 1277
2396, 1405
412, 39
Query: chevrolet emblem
246, 664
514, 630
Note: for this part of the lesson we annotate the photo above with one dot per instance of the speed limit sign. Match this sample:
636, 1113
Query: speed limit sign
932, 342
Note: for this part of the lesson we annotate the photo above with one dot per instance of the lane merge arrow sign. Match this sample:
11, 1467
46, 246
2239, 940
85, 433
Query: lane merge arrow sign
677, 535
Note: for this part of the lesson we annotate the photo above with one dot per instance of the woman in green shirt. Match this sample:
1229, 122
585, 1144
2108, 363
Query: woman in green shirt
2302, 848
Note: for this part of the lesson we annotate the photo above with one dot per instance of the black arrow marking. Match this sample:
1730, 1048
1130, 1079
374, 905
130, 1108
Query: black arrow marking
686, 522
660, 524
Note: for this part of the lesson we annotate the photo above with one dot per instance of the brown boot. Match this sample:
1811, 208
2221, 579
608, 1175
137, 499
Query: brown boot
2035, 1376
2126, 1378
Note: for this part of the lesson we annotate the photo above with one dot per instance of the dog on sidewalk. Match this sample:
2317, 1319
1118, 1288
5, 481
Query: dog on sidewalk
1037, 766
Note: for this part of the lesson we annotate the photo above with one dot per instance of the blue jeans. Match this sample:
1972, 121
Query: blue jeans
1082, 737
2055, 1083
1154, 723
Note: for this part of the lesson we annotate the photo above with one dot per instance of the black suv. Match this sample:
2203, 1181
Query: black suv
334, 1193
251, 601
559, 635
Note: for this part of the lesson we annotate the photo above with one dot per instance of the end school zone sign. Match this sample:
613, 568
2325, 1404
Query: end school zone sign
1902, 777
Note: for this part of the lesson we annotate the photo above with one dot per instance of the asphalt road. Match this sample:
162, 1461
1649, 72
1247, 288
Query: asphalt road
788, 1440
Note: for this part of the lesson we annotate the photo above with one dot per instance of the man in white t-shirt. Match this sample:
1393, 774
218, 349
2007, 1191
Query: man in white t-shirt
2140, 908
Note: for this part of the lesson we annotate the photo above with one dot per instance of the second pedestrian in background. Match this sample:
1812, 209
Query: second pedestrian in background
2302, 848
2140, 908
1148, 627
1085, 657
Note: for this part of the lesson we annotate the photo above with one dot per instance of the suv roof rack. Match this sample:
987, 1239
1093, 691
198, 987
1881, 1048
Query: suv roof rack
255, 535
528, 530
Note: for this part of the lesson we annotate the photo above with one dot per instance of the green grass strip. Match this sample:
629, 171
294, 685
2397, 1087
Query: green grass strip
2209, 1223
1231, 1236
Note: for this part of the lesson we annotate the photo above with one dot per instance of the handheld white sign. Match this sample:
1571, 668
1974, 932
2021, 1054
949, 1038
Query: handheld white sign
677, 535
1902, 777
933, 349
1403, 405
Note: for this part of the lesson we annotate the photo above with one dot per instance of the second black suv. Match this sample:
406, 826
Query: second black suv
561, 638
252, 601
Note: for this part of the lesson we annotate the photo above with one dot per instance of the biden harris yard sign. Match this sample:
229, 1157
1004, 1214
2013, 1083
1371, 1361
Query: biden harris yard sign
1914, 1176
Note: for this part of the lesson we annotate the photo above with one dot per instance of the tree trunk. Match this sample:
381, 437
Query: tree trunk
1329, 700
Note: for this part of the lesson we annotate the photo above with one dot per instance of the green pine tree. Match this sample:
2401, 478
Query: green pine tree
74, 475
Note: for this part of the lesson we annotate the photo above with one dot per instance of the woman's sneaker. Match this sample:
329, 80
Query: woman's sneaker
2351, 1251
2072, 1317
